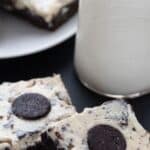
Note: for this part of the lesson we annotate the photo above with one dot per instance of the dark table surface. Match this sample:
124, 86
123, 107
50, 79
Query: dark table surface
60, 60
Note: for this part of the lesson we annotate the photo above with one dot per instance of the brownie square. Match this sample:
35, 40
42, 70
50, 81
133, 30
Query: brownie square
49, 15
27, 108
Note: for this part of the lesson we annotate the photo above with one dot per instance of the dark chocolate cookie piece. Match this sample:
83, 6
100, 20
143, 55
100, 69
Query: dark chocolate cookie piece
105, 137
45, 144
31, 106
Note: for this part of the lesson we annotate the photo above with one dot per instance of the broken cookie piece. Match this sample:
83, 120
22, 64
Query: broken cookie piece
111, 126
27, 108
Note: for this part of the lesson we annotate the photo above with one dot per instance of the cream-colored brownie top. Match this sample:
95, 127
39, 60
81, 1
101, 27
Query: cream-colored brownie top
72, 133
44, 8
49, 86
18, 133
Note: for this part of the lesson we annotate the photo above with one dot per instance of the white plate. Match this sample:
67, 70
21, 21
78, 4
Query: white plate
19, 38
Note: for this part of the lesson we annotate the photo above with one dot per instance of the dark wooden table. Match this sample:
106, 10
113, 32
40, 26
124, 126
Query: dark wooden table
60, 60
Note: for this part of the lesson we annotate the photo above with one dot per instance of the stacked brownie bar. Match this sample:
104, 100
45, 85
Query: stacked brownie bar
49, 14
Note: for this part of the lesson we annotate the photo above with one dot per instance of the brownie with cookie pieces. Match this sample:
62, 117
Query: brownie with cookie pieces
48, 14
111, 126
27, 108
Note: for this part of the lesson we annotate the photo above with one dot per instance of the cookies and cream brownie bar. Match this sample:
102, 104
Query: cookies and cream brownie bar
49, 14
111, 126
27, 108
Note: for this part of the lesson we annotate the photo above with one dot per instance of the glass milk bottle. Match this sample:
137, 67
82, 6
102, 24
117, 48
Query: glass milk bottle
113, 47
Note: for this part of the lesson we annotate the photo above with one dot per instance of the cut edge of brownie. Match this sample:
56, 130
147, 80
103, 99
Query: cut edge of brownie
59, 19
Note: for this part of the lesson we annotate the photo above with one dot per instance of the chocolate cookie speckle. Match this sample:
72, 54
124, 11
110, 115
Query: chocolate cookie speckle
104, 137
31, 106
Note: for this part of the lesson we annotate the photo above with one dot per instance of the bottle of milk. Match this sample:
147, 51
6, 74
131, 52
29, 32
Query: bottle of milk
113, 47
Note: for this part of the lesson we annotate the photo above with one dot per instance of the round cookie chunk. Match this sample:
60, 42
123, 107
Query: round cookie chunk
105, 137
31, 106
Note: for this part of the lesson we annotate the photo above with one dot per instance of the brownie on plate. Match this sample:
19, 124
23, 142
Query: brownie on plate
111, 126
27, 108
49, 14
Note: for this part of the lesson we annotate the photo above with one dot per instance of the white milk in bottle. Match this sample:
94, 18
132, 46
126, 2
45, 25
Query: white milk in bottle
113, 46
